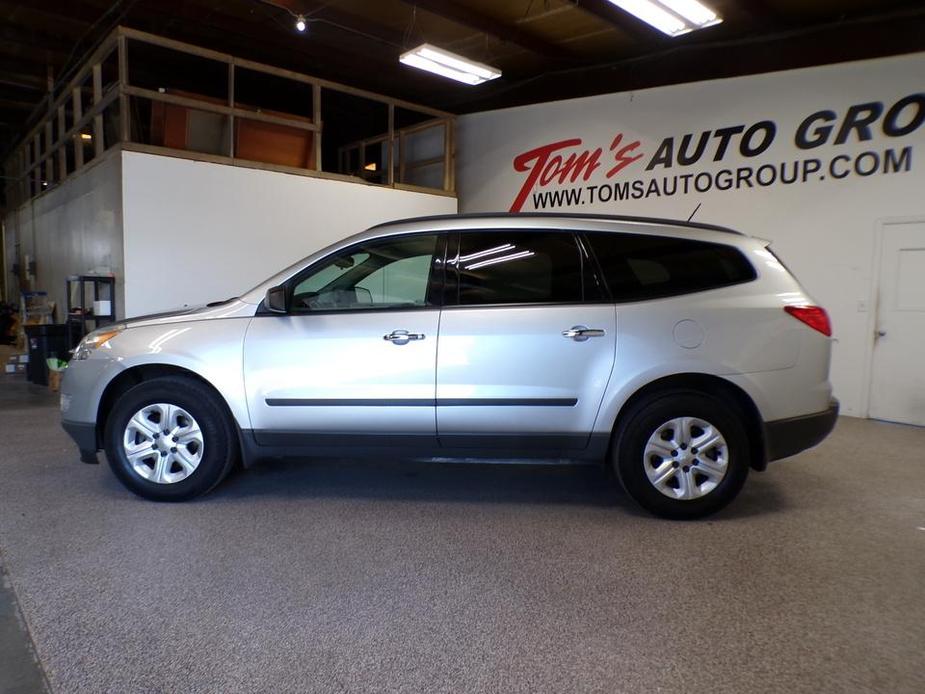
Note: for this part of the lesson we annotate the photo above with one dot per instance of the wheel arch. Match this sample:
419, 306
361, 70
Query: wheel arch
131, 377
713, 385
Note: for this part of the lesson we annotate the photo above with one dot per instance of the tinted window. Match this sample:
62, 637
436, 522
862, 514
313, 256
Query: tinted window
390, 273
517, 267
645, 267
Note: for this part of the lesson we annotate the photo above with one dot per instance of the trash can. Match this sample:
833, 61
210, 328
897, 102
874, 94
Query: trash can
45, 341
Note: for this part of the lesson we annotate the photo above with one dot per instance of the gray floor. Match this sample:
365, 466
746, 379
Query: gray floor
20, 672
333, 576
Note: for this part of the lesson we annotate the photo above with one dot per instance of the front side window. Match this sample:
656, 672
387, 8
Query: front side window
384, 273
515, 267
638, 266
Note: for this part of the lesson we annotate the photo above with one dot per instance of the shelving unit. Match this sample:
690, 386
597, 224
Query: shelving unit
90, 289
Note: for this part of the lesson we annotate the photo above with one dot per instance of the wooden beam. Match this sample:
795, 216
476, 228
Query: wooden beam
316, 119
77, 111
125, 115
98, 118
62, 152
508, 33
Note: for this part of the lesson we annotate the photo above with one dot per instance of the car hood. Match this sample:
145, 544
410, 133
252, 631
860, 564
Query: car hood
232, 308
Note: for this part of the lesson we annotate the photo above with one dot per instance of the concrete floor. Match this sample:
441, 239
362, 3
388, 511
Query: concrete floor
362, 577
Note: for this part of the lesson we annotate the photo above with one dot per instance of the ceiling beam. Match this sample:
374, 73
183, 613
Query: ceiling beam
508, 33
762, 13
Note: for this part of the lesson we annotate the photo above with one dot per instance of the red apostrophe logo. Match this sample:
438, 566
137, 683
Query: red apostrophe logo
551, 163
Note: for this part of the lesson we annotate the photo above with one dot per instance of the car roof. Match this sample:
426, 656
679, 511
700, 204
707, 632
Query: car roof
505, 219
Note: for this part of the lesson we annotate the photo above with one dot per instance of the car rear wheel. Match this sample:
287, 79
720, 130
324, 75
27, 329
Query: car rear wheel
682, 454
170, 439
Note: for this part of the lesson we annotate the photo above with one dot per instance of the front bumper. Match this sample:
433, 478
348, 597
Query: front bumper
786, 437
81, 389
84, 436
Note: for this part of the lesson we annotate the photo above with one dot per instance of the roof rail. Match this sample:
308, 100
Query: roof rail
566, 215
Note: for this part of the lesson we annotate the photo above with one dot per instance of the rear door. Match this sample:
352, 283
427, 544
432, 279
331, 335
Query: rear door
527, 342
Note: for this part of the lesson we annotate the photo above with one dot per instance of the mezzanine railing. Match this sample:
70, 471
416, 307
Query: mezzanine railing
180, 100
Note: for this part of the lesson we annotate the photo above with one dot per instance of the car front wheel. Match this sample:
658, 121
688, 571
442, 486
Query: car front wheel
682, 454
170, 439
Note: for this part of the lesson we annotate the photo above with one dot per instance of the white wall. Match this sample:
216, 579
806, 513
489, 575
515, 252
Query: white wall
75, 228
197, 232
824, 228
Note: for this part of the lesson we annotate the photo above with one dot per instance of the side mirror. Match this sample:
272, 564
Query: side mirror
275, 300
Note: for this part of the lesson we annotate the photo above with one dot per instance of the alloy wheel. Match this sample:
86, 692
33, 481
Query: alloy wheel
686, 458
163, 443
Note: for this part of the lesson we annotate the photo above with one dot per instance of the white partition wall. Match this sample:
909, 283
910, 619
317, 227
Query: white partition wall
73, 229
178, 232
817, 160
196, 232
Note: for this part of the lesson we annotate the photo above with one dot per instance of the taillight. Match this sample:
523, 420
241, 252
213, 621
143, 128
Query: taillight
814, 316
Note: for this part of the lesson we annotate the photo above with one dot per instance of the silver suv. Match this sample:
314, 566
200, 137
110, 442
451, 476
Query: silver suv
679, 354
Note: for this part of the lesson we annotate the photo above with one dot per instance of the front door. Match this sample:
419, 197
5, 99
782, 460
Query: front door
897, 389
525, 352
353, 361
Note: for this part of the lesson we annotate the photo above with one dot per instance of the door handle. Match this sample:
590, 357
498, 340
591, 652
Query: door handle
402, 337
580, 333
880, 333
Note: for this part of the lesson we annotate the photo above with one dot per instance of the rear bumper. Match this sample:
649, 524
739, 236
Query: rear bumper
786, 437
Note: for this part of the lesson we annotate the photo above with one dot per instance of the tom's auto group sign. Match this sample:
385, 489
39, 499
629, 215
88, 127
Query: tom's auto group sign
568, 172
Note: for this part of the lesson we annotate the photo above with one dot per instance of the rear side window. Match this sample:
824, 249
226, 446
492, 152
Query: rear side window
515, 267
638, 267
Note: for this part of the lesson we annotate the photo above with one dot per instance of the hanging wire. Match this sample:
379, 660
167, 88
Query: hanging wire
409, 31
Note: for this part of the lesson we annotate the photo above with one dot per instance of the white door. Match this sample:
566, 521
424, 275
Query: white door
525, 353
353, 361
897, 391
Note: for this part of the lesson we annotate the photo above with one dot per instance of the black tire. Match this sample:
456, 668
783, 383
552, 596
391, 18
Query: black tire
645, 418
220, 444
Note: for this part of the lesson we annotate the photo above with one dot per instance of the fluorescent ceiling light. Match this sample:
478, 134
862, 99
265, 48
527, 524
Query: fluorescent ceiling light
672, 17
441, 62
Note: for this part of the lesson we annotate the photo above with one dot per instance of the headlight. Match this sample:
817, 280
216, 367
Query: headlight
95, 340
